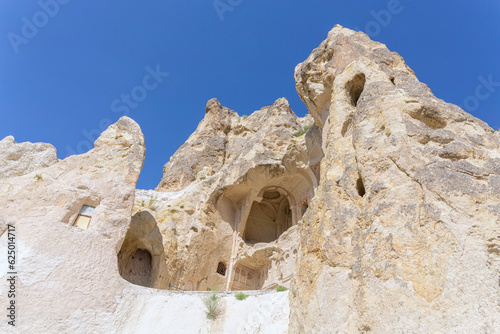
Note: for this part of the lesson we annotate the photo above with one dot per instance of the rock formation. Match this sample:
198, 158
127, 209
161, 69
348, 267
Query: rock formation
381, 218
403, 235
234, 190
21, 158
66, 279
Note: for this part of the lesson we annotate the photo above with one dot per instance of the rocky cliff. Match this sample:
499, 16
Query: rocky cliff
403, 235
379, 211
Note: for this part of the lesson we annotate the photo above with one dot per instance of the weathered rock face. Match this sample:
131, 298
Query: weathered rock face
69, 269
241, 186
403, 235
204, 148
68, 276
382, 218
222, 136
22, 158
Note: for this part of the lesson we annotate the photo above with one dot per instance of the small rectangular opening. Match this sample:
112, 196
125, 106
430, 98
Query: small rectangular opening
84, 217
83, 221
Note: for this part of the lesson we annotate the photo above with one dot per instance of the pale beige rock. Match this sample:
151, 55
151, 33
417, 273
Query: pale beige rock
166, 239
381, 218
17, 159
223, 138
221, 214
405, 218
64, 271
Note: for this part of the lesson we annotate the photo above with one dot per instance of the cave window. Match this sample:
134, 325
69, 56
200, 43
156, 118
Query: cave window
84, 217
221, 269
360, 187
355, 88
269, 218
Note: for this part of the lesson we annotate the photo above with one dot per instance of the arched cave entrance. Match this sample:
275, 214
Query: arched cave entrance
137, 268
264, 271
268, 218
263, 210
141, 253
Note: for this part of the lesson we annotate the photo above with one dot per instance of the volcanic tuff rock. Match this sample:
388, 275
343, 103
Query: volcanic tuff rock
382, 218
73, 274
208, 183
403, 235
222, 136
68, 279
21, 158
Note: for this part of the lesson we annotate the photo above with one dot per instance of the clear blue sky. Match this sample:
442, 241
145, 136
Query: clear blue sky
62, 79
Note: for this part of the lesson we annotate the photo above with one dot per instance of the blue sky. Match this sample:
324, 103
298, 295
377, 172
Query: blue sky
67, 66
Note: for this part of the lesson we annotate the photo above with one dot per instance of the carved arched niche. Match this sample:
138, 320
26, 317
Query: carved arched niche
141, 253
262, 209
266, 203
270, 215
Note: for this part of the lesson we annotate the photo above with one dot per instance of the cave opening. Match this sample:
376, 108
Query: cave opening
360, 187
141, 254
268, 218
221, 269
263, 211
355, 87
137, 268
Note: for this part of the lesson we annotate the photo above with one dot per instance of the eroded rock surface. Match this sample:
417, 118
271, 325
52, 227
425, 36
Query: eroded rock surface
78, 235
17, 159
68, 280
381, 218
221, 138
402, 232
229, 202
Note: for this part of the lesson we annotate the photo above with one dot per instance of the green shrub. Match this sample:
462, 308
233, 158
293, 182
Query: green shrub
212, 303
241, 296
280, 288
182, 206
303, 131
151, 203
39, 177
